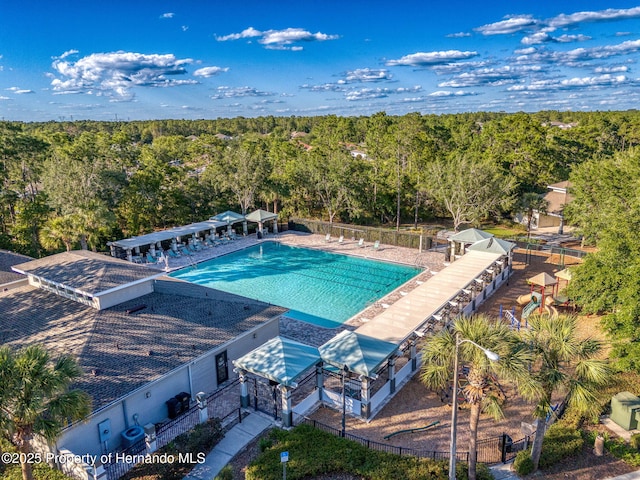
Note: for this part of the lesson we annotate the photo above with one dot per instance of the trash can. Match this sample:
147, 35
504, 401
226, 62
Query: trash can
259, 234
184, 398
173, 408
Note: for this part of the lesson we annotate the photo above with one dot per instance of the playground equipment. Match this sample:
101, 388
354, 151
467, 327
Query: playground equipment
413, 430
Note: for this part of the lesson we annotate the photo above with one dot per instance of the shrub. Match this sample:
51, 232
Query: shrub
559, 443
523, 465
225, 474
313, 452
635, 441
265, 443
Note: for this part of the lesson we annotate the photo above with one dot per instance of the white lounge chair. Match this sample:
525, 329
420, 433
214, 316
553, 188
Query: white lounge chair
341, 239
361, 243
327, 237
376, 245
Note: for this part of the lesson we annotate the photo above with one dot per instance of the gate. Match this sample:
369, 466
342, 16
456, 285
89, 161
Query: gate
264, 396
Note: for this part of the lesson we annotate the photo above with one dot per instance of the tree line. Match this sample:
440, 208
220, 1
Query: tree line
79, 184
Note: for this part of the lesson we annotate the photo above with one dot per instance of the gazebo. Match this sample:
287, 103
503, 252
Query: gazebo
562, 276
231, 218
261, 216
281, 361
461, 240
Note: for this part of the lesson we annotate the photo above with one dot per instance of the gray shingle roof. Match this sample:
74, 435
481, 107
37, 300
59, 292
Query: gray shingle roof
86, 271
120, 352
7, 260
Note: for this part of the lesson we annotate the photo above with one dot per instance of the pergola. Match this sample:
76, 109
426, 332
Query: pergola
231, 218
153, 239
261, 216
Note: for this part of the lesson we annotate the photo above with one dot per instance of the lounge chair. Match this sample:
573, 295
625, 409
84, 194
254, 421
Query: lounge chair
185, 250
151, 258
172, 253
233, 236
327, 237
341, 239
361, 243
376, 245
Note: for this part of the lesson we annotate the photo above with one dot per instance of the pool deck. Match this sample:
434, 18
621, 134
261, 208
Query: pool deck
432, 262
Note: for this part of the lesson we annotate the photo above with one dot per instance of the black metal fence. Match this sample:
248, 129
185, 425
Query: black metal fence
385, 447
402, 238
223, 404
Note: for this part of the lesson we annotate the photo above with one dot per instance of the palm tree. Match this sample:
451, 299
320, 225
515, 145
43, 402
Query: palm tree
566, 362
35, 398
60, 230
529, 203
480, 393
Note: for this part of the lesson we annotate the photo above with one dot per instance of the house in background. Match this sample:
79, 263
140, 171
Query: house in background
557, 197
140, 337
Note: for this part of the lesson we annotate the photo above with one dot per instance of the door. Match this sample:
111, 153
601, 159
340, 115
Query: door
222, 369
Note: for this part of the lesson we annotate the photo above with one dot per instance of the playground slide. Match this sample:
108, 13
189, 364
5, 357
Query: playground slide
529, 309
524, 299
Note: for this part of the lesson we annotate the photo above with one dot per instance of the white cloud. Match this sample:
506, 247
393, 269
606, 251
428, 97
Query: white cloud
510, 24
167, 15
612, 69
431, 58
68, 53
609, 14
367, 75
449, 93
19, 91
577, 56
490, 76
373, 93
458, 35
279, 39
115, 74
605, 80
238, 92
544, 37
207, 72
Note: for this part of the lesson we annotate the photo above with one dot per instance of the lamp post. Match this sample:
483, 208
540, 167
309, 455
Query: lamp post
454, 403
345, 370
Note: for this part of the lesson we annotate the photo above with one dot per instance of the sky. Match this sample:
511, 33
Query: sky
196, 59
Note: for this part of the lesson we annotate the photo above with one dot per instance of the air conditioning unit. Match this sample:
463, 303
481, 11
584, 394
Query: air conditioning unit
132, 436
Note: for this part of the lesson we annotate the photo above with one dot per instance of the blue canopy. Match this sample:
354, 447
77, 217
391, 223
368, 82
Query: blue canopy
229, 217
280, 359
362, 354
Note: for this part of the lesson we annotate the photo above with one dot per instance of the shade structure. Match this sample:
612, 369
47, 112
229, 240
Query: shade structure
280, 360
492, 245
564, 274
152, 238
229, 217
260, 216
471, 235
542, 280
361, 354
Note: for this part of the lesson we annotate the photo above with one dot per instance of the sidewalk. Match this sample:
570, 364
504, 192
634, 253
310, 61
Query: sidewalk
504, 472
234, 441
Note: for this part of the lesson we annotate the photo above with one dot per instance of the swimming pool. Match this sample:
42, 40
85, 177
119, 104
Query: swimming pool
316, 286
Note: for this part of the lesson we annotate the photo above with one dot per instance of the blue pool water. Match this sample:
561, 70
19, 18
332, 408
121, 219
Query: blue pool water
318, 287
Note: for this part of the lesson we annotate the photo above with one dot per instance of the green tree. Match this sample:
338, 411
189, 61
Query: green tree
60, 231
35, 398
469, 190
480, 393
563, 362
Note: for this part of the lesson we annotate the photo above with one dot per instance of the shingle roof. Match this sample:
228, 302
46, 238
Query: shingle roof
86, 271
7, 260
120, 352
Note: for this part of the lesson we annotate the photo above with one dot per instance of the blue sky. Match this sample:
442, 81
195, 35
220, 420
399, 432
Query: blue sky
140, 60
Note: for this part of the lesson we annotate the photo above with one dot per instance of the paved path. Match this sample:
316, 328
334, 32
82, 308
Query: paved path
233, 442
504, 472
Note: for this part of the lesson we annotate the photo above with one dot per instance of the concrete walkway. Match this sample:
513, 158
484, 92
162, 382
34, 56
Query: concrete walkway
233, 442
504, 472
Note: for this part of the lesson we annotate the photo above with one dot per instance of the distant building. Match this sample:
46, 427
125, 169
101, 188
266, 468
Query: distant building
557, 197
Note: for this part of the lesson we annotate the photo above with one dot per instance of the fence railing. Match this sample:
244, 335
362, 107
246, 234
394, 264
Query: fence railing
401, 238
385, 447
222, 404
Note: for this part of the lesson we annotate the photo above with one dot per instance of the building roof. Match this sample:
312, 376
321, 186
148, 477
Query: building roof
168, 234
228, 217
470, 235
8, 260
493, 245
280, 359
122, 351
85, 271
556, 200
260, 216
